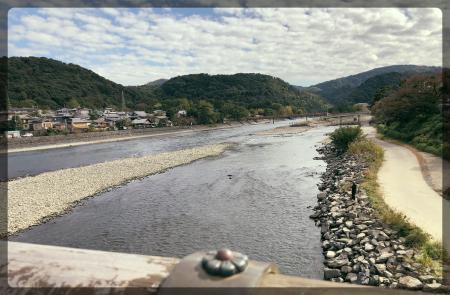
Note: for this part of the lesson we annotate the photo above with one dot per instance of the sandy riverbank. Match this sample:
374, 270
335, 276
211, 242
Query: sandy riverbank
33, 199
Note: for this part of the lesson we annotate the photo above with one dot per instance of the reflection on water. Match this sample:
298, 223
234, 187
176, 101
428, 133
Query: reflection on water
253, 199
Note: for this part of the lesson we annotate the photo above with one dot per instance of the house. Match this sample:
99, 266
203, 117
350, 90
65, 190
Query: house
100, 124
139, 115
181, 113
78, 125
159, 113
60, 126
141, 123
64, 112
82, 113
41, 124
25, 122
111, 118
161, 121
59, 119
109, 111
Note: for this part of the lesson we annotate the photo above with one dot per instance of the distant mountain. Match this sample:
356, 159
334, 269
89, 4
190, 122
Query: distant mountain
344, 90
365, 92
48, 83
158, 82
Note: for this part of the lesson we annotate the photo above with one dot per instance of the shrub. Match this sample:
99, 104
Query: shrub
344, 136
366, 149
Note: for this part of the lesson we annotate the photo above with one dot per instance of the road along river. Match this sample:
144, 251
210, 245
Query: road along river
255, 199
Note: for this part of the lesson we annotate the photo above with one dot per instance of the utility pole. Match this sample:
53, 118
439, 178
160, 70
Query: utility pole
123, 102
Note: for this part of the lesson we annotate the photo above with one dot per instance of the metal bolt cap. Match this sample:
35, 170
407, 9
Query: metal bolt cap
224, 262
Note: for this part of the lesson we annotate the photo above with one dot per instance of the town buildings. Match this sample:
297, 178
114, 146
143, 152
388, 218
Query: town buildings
75, 120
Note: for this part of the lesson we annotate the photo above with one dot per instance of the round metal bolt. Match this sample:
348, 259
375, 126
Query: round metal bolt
224, 254
224, 262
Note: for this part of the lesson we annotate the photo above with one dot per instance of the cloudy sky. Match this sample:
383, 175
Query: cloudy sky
301, 46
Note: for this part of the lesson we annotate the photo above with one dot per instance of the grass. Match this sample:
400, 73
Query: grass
431, 253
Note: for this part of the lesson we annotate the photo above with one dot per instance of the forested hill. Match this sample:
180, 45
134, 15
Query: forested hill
346, 89
48, 83
253, 91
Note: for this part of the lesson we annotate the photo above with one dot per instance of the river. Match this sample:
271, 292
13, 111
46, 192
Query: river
34, 162
256, 199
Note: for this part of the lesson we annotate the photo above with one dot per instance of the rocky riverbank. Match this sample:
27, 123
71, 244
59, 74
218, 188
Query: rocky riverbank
35, 199
358, 247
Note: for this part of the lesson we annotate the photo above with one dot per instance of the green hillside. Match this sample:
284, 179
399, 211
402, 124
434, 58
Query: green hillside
48, 83
252, 91
52, 84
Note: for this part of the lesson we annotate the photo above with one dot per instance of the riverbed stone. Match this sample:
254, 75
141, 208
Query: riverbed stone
330, 254
368, 247
351, 277
409, 282
329, 273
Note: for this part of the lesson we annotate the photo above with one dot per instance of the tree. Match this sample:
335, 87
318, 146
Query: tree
206, 113
73, 103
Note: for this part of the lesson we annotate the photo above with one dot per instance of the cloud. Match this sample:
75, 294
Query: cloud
300, 45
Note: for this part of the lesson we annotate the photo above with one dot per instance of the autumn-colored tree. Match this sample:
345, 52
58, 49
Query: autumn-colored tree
412, 113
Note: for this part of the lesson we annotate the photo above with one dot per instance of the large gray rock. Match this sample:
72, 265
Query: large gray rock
331, 273
381, 268
346, 269
408, 282
321, 196
368, 247
337, 262
433, 287
384, 257
351, 277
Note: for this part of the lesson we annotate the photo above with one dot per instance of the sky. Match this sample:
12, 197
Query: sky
302, 46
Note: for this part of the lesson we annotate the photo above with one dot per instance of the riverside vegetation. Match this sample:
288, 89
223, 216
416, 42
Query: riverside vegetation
364, 241
412, 113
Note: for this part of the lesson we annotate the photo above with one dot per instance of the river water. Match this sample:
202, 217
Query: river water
34, 162
256, 199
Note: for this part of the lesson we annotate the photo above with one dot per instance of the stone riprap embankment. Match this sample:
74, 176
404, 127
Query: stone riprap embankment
358, 247
32, 200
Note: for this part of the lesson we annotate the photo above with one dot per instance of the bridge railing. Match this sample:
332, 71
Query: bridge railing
51, 267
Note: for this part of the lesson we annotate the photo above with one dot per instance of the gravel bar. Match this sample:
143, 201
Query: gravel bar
34, 199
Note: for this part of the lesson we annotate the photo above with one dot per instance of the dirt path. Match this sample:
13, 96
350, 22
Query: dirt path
405, 189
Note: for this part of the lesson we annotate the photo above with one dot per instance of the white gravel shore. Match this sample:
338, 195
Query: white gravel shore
33, 199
